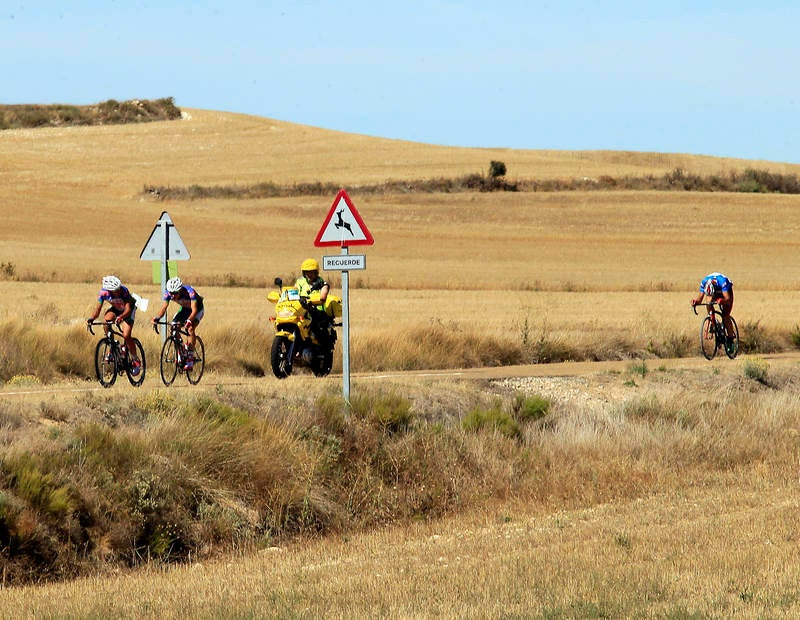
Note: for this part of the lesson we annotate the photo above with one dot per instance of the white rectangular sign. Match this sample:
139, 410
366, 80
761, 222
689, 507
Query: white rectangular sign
344, 262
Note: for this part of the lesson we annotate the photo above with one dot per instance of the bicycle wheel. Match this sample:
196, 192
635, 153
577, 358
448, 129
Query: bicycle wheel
708, 339
169, 362
105, 362
136, 380
194, 373
732, 349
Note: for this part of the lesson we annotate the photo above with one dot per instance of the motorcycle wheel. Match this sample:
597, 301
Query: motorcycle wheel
321, 364
280, 357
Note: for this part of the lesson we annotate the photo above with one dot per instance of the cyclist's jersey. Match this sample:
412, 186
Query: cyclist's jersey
116, 299
185, 297
721, 283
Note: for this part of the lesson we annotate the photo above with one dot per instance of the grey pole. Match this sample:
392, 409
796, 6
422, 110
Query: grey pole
345, 333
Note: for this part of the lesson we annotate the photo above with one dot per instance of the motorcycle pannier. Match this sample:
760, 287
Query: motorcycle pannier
333, 306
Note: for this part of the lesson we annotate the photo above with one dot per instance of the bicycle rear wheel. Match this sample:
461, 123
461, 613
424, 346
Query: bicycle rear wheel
732, 349
105, 362
708, 339
169, 362
194, 373
136, 380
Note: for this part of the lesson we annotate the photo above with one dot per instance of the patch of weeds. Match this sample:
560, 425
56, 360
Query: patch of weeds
638, 368
756, 370
391, 413
495, 418
623, 540
529, 408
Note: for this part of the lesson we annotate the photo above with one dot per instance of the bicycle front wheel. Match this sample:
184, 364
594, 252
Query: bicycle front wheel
708, 338
194, 373
169, 362
105, 362
732, 348
136, 379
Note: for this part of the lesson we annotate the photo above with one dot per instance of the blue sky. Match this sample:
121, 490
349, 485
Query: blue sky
703, 77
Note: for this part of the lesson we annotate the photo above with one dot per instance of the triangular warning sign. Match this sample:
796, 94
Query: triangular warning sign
164, 242
343, 226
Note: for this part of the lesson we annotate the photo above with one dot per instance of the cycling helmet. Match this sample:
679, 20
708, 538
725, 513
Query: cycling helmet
111, 283
709, 288
309, 264
174, 285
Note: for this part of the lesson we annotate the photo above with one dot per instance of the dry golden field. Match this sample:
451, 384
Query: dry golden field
74, 210
666, 496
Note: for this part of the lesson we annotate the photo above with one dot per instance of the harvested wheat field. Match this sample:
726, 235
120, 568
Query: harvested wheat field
532, 431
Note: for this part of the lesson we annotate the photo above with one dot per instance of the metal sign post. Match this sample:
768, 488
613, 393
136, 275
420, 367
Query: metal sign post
344, 227
164, 245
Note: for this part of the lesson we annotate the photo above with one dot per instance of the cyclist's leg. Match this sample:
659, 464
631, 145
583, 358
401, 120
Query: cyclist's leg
726, 306
109, 316
181, 316
192, 329
127, 333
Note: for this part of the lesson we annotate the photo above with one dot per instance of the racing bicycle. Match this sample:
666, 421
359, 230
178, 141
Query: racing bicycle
111, 357
712, 333
175, 353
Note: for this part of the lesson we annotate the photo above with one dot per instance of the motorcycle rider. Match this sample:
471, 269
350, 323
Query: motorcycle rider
309, 282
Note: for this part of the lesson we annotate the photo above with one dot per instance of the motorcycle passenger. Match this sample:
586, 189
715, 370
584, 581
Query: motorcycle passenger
309, 282
190, 314
121, 310
717, 288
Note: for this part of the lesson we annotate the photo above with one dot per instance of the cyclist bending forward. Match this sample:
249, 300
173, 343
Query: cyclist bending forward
717, 288
121, 310
190, 314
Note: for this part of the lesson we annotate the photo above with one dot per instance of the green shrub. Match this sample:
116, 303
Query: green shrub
493, 419
390, 413
757, 370
529, 408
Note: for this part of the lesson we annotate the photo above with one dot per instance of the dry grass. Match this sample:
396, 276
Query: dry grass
680, 501
677, 503
78, 212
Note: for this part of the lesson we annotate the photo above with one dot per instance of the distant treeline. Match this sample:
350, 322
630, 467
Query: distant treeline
109, 112
749, 181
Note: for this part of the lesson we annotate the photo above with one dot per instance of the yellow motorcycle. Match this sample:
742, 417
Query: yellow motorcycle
297, 341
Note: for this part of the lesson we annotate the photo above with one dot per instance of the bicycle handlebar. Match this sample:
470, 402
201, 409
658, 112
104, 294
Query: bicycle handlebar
111, 324
172, 324
708, 304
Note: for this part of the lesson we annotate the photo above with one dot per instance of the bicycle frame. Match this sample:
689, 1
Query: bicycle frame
111, 360
713, 328
174, 353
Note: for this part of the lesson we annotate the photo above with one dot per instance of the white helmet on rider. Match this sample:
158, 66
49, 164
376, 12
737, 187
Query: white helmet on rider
709, 288
111, 283
174, 285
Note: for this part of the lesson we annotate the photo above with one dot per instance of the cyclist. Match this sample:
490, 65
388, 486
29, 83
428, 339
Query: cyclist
717, 288
121, 310
309, 282
190, 314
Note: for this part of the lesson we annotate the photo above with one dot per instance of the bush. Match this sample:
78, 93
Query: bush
529, 408
493, 419
756, 369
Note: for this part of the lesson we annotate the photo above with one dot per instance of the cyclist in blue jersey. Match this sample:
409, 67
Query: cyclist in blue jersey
190, 314
717, 288
121, 310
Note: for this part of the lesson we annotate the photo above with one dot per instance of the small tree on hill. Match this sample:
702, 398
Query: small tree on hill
496, 169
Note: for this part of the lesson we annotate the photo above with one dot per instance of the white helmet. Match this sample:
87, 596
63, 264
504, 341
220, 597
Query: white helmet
709, 288
111, 283
174, 285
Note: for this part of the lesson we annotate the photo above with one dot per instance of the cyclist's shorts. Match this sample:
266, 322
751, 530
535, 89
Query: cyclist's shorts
183, 314
129, 319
